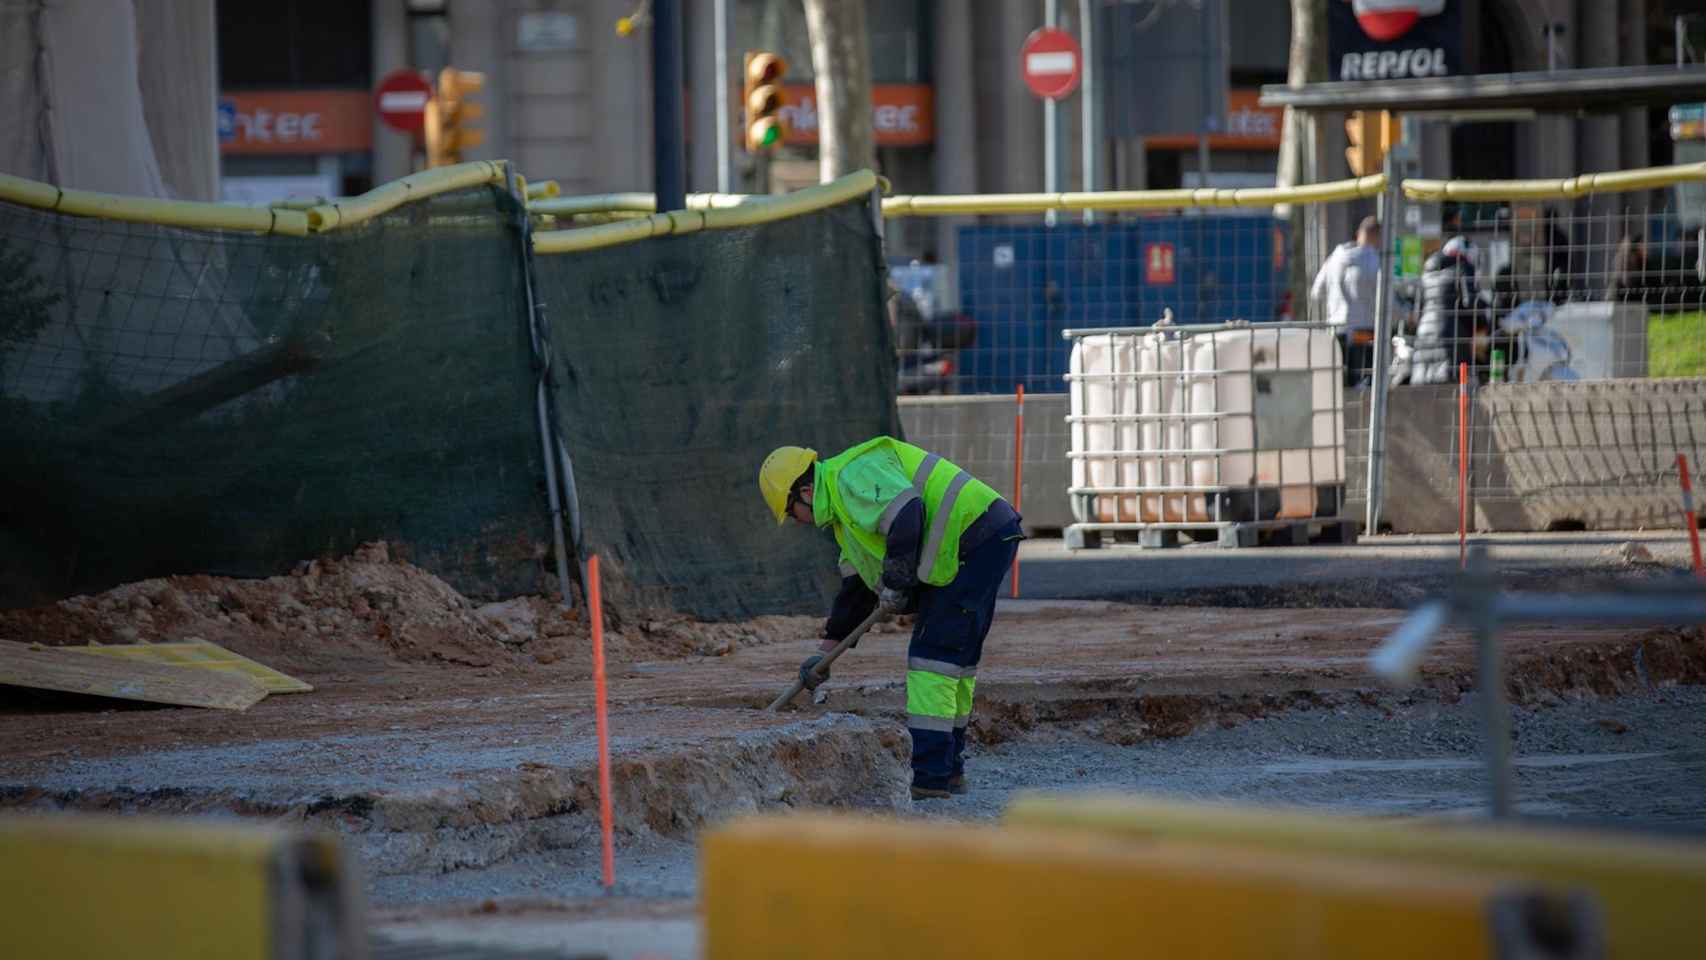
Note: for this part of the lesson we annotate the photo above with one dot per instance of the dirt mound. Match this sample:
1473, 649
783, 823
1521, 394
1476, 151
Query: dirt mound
331, 614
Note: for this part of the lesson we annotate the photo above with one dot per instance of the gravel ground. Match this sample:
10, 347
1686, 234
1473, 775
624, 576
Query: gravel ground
1637, 760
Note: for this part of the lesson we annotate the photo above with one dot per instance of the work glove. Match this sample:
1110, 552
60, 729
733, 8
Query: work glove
807, 677
893, 601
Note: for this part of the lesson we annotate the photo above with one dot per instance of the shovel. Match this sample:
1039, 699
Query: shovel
828, 658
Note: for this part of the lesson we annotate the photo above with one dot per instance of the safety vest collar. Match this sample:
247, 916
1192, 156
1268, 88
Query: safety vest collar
822, 513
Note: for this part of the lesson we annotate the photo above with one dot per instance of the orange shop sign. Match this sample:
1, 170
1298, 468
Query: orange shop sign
904, 114
1249, 126
296, 121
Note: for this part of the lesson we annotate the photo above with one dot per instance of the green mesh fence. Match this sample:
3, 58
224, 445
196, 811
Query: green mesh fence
178, 401
680, 362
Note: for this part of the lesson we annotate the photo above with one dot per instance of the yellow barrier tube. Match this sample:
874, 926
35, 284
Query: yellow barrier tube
634, 203
28, 193
170, 213
1013, 203
1647, 178
747, 212
348, 211
596, 203
543, 190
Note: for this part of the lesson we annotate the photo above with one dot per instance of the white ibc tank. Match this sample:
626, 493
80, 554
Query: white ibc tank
1276, 418
1163, 463
1100, 395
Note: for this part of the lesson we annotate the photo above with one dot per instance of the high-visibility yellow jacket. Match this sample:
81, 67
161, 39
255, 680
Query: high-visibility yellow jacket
861, 491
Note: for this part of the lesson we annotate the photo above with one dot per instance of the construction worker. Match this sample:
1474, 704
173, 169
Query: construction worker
917, 535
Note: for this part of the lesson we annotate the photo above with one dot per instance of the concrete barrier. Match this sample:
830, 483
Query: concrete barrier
821, 886
1649, 887
976, 432
152, 888
1600, 455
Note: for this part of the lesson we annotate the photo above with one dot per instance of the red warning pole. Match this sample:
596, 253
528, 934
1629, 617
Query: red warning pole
595, 600
1462, 465
1018, 473
1688, 512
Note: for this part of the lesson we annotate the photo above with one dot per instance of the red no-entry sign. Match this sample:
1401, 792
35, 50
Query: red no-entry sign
402, 98
1051, 63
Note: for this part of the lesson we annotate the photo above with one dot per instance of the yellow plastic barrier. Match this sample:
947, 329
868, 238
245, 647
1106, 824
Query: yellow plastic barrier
544, 190
291, 218
826, 887
974, 204
348, 211
171, 213
747, 212
633, 203
1647, 178
1650, 889
148, 889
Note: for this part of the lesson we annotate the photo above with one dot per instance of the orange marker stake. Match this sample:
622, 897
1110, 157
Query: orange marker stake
1018, 473
1688, 512
1462, 465
595, 600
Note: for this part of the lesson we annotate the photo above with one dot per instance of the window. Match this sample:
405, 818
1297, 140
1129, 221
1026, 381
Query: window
292, 44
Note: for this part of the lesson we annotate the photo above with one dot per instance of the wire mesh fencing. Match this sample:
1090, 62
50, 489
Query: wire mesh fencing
1581, 323
1593, 289
993, 321
1541, 299
176, 400
182, 399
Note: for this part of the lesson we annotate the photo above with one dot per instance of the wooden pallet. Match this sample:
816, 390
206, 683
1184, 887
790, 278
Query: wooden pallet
1234, 536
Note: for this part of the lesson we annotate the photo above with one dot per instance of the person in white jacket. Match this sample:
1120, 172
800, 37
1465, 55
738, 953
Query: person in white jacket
1347, 286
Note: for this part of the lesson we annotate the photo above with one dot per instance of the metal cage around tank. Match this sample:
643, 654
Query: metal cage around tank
1220, 429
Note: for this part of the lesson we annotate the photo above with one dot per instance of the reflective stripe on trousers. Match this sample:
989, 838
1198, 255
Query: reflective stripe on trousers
932, 700
939, 699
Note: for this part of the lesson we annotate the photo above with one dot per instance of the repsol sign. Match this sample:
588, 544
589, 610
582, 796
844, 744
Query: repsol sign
1394, 39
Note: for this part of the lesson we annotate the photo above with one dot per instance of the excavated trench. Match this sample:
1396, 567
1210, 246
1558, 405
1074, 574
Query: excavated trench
454, 787
460, 804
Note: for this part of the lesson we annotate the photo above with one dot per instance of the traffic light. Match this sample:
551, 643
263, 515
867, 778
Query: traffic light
1372, 135
450, 116
1363, 154
763, 100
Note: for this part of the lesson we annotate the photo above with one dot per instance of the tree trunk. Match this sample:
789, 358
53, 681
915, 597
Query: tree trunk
841, 61
1308, 64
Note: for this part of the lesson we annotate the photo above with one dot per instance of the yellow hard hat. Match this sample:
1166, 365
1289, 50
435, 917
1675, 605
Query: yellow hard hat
776, 477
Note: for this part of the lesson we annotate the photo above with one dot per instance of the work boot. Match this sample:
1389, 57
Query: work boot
929, 793
957, 785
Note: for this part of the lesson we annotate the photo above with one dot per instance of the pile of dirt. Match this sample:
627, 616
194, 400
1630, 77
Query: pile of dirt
330, 614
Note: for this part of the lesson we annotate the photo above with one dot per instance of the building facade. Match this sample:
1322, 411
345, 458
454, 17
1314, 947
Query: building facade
566, 97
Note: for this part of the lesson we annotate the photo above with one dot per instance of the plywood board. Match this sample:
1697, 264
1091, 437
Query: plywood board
201, 654
47, 668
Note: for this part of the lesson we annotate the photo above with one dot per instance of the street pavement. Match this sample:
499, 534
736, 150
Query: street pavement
1403, 566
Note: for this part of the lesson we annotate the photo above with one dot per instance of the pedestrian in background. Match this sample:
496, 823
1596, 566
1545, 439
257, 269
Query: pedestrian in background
1445, 333
1347, 285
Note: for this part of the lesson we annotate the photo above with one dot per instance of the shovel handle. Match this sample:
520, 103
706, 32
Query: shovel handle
828, 659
